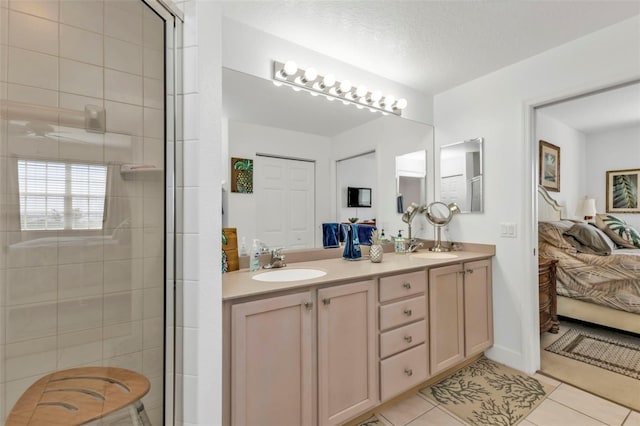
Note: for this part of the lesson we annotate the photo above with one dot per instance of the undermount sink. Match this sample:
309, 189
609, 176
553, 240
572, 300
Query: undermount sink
434, 255
281, 275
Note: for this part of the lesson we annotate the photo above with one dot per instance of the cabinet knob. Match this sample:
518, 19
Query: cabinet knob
407, 312
308, 305
407, 285
408, 339
469, 271
408, 372
326, 301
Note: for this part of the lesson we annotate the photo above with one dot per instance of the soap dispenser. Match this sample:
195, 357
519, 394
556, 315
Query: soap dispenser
400, 243
254, 262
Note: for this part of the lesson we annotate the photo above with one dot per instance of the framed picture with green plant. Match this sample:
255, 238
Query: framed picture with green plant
622, 191
241, 175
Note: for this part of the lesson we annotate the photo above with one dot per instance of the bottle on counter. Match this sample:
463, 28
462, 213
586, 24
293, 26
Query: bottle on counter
254, 262
243, 248
399, 243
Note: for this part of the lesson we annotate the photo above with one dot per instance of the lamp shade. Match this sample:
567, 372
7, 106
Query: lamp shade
587, 208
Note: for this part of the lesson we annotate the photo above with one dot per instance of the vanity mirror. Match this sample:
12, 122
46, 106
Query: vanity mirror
298, 143
461, 175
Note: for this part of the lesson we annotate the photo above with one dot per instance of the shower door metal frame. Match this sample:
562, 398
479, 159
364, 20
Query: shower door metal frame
173, 19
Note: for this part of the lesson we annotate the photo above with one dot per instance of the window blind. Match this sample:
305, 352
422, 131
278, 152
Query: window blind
61, 195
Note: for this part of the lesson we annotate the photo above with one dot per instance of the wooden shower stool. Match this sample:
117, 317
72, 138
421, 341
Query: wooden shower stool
80, 395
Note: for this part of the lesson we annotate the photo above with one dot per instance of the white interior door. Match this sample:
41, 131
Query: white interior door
285, 202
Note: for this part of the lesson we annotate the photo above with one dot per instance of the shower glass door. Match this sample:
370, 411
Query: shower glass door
87, 174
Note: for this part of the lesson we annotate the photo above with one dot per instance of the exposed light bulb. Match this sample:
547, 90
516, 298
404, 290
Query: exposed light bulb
389, 100
310, 74
329, 80
374, 97
361, 91
277, 83
345, 87
401, 103
290, 68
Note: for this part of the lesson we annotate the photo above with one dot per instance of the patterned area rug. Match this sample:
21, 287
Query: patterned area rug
619, 356
488, 393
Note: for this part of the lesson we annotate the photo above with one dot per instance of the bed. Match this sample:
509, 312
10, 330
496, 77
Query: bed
597, 288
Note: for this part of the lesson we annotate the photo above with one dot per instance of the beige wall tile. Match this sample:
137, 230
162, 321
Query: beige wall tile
31, 285
153, 272
122, 275
153, 242
26, 322
79, 314
4, 26
122, 87
152, 362
153, 302
78, 102
152, 30
33, 33
81, 45
121, 339
154, 154
86, 14
153, 123
123, 307
32, 95
81, 79
153, 93
80, 280
124, 23
123, 56
152, 333
43, 8
79, 348
45, 253
32, 69
131, 361
153, 63
89, 250
124, 118
26, 359
153, 212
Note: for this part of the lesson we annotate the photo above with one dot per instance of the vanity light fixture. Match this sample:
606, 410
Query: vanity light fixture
310, 81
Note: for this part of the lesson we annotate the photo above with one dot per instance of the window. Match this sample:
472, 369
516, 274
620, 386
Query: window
58, 195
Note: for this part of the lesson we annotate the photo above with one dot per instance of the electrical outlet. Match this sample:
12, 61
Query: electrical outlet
508, 230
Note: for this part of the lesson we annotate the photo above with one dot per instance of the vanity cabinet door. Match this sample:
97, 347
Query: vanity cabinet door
272, 368
478, 307
446, 317
347, 374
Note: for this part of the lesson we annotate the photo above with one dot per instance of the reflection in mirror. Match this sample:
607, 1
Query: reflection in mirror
461, 175
411, 172
351, 181
270, 124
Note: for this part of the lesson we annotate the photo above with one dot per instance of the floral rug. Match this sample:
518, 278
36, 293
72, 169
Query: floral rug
488, 393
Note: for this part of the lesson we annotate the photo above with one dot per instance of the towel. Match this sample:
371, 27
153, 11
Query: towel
352, 243
364, 234
330, 235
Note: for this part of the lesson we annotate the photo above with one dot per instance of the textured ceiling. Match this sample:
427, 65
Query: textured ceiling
430, 46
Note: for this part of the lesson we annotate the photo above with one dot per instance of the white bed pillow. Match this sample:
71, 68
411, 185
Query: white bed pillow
620, 231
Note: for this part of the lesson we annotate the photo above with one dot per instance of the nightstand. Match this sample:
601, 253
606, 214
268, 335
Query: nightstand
548, 302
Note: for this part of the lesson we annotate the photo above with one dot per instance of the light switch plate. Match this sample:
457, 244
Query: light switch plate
508, 230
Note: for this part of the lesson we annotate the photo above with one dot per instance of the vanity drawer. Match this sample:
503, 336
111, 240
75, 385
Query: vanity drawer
398, 340
402, 285
403, 371
402, 312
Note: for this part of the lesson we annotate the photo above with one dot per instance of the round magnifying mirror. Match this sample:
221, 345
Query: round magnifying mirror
438, 213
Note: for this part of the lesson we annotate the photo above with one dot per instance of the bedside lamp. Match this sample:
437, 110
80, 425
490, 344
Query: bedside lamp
586, 208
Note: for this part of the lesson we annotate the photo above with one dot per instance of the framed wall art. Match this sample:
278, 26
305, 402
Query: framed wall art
242, 175
549, 166
622, 191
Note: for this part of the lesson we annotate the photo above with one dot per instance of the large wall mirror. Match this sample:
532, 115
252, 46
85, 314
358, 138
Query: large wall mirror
306, 152
461, 175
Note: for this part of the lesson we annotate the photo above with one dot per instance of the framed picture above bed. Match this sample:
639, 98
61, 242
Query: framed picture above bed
549, 166
622, 191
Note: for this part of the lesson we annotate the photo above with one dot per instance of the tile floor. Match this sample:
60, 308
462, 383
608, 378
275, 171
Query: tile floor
565, 406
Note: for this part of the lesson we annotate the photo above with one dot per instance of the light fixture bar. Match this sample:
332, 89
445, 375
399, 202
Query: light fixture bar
310, 81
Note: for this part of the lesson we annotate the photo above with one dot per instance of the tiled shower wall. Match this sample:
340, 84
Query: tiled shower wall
67, 302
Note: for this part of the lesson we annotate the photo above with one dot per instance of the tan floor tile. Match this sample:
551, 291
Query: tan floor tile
633, 419
435, 417
591, 405
551, 413
546, 379
406, 410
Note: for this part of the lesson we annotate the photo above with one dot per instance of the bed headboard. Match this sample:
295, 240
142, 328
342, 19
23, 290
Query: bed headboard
548, 209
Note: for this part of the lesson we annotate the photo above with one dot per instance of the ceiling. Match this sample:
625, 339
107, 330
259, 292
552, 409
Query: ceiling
599, 112
430, 46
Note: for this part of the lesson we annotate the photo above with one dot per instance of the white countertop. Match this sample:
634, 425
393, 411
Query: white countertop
239, 284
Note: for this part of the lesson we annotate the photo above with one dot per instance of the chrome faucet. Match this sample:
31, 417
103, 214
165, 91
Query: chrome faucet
277, 259
413, 245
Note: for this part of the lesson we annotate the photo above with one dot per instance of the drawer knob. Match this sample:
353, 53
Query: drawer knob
469, 271
407, 285
326, 301
408, 339
407, 312
408, 372
308, 305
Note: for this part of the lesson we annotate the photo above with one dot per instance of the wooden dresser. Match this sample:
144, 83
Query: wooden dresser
547, 295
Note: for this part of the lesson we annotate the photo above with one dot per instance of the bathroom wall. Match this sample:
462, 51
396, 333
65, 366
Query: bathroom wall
497, 107
78, 298
356, 172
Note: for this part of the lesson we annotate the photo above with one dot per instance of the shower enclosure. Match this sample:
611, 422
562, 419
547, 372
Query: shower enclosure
89, 116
